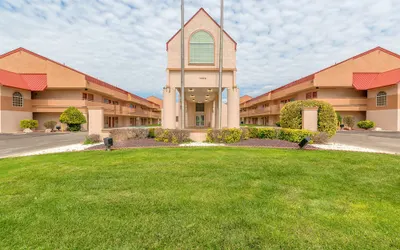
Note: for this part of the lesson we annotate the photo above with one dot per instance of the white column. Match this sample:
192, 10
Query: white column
168, 114
233, 108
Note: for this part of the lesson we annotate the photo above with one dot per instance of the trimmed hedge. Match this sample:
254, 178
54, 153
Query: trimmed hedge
172, 135
366, 124
286, 134
291, 115
73, 118
31, 124
226, 135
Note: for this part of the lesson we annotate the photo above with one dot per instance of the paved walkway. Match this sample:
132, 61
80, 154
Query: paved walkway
15, 144
377, 140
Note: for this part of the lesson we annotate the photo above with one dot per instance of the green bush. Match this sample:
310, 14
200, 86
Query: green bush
226, 135
291, 115
152, 133
339, 118
348, 120
91, 139
267, 133
31, 124
245, 134
253, 132
294, 135
320, 138
172, 135
366, 124
73, 118
50, 124
278, 123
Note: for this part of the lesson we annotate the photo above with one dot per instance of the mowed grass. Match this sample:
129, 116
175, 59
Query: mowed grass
177, 198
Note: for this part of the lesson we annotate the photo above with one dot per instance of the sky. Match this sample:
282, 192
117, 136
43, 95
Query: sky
123, 41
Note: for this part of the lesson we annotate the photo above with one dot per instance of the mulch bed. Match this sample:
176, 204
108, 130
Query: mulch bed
151, 143
140, 143
269, 144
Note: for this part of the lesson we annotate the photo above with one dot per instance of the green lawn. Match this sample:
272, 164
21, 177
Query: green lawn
179, 198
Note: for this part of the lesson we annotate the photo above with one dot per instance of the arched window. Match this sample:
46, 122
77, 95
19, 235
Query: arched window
18, 100
201, 48
381, 99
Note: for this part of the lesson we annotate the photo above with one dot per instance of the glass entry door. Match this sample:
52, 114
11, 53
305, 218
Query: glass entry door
199, 120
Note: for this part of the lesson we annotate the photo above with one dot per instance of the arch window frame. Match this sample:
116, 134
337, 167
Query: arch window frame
17, 99
381, 99
199, 58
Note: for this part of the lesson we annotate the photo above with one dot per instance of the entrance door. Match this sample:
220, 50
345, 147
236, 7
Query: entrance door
199, 120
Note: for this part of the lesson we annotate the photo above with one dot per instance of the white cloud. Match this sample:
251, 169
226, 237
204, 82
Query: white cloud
123, 41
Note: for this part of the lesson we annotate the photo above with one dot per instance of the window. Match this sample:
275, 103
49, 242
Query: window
199, 107
107, 101
201, 48
86, 96
381, 99
132, 106
18, 100
312, 95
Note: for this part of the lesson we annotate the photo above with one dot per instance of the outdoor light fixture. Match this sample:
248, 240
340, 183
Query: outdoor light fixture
304, 142
207, 95
192, 96
108, 142
191, 90
209, 90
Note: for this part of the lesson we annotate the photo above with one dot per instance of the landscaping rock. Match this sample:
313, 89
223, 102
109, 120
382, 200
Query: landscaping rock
27, 130
378, 129
48, 130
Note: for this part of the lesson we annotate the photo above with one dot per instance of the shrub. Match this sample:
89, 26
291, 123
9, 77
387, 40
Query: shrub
50, 124
172, 135
73, 118
291, 115
129, 133
226, 135
278, 123
91, 139
339, 118
245, 134
267, 133
253, 132
294, 135
348, 120
320, 138
31, 124
366, 124
152, 133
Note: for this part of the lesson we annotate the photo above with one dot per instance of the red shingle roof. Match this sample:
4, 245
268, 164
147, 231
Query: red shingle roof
32, 82
365, 81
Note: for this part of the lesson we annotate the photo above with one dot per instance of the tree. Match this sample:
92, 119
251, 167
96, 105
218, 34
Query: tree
291, 115
73, 118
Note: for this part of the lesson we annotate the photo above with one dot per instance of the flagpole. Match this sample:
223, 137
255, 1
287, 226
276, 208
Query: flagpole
221, 50
182, 65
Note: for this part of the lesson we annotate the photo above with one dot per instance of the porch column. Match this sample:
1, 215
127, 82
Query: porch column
96, 120
233, 108
169, 106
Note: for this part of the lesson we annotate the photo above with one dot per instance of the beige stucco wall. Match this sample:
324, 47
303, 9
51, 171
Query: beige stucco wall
198, 79
385, 119
339, 93
45, 117
201, 22
10, 120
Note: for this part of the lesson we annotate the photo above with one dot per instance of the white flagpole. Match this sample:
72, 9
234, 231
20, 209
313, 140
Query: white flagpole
182, 65
221, 51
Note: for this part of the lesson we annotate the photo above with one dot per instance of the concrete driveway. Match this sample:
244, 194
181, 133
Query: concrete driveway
15, 144
377, 140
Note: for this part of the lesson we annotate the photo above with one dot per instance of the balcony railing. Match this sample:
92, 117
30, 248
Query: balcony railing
47, 105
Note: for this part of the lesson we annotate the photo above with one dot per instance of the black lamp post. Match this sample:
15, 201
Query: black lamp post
108, 142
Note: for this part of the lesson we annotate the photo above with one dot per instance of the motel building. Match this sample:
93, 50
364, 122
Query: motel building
35, 87
201, 89
366, 86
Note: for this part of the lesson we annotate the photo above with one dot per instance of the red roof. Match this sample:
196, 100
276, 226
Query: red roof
201, 9
365, 81
312, 76
32, 82
88, 77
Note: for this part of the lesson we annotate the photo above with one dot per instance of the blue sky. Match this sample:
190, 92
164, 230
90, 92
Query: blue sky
123, 41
